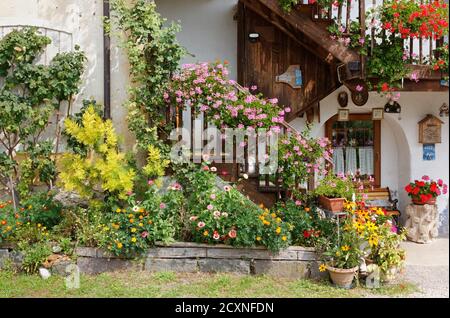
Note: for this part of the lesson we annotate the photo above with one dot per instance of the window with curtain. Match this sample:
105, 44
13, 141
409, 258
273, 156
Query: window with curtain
353, 144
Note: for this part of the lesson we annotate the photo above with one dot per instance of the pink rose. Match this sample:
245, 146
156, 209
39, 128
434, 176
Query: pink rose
162, 206
144, 234
232, 234
201, 224
210, 207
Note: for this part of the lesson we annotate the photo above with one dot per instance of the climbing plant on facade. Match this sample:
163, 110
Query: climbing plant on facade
154, 55
29, 94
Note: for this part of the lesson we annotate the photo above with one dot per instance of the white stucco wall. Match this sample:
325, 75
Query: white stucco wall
209, 31
81, 19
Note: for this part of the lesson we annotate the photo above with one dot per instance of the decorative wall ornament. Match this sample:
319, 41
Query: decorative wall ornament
430, 130
443, 110
343, 99
292, 77
392, 108
343, 114
377, 113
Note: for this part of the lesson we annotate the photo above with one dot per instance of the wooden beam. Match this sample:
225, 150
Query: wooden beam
286, 28
303, 23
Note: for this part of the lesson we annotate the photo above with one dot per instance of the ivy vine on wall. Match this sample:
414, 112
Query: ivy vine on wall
154, 55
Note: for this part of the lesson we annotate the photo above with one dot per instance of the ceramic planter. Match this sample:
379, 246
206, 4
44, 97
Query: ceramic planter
332, 204
432, 201
341, 277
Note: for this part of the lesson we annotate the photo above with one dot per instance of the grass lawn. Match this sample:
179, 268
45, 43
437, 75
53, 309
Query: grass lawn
142, 284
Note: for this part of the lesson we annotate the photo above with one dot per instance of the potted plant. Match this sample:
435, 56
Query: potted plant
425, 191
342, 260
333, 191
388, 255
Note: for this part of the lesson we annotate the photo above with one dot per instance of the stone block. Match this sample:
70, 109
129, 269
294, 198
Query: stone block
177, 252
171, 265
60, 268
224, 266
4, 255
315, 273
306, 256
249, 253
91, 265
283, 269
86, 251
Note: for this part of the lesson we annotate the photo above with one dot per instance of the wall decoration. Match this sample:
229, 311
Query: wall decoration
292, 77
443, 110
377, 113
429, 152
430, 130
343, 99
392, 108
343, 114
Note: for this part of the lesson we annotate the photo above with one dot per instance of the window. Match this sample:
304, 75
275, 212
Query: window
356, 145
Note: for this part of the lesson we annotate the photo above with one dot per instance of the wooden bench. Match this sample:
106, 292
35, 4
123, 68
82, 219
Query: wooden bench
381, 197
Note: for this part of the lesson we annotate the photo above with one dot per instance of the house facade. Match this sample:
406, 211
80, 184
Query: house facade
261, 45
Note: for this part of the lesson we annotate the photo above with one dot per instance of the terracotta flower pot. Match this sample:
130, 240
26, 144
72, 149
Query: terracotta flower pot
331, 204
431, 201
342, 277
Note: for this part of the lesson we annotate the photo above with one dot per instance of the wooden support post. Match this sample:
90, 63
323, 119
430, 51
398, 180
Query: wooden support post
362, 24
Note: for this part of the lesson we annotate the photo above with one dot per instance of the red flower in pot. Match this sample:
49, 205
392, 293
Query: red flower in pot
426, 191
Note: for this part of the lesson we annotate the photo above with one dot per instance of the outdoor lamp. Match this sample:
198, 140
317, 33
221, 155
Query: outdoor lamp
253, 37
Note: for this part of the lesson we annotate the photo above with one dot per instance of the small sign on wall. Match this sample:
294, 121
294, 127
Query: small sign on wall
292, 77
429, 152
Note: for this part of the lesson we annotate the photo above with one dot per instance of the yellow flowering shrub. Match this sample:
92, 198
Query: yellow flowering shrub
156, 165
102, 168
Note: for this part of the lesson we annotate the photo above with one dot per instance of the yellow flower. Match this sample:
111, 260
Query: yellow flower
278, 220
133, 230
258, 238
149, 222
30, 207
119, 245
140, 217
338, 253
373, 240
106, 229
39, 225
133, 239
322, 268
205, 233
142, 210
278, 230
118, 210
273, 215
130, 215
284, 238
371, 226
345, 248
141, 224
131, 220
261, 217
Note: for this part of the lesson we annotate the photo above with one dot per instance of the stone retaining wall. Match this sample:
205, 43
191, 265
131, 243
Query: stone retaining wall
293, 262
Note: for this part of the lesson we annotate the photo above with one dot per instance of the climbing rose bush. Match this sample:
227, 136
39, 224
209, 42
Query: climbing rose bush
300, 156
207, 88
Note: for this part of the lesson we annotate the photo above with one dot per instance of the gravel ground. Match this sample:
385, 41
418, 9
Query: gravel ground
433, 281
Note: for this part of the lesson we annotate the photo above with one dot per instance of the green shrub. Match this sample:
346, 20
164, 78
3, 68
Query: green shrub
40, 208
34, 256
